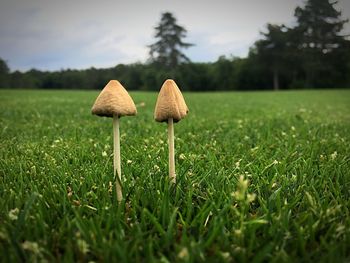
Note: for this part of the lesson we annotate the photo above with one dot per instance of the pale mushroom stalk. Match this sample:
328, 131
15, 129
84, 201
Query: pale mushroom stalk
172, 174
114, 101
170, 108
116, 157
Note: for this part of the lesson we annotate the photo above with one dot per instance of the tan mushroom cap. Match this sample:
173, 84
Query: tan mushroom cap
114, 100
170, 103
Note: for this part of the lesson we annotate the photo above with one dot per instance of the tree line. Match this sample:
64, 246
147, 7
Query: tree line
311, 54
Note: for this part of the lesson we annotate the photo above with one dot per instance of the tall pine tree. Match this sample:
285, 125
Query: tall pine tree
166, 51
322, 49
273, 51
4, 74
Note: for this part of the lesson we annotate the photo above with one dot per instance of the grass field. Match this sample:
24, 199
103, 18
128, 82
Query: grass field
261, 177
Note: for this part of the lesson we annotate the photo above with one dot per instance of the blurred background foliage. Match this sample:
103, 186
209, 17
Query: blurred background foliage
312, 53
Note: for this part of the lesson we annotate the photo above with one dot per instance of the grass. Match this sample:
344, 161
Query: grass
262, 177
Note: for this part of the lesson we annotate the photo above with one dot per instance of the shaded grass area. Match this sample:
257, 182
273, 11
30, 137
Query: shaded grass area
261, 177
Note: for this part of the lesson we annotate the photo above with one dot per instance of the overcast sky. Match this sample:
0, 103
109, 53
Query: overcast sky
60, 34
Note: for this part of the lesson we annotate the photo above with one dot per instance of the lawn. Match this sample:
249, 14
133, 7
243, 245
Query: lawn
261, 177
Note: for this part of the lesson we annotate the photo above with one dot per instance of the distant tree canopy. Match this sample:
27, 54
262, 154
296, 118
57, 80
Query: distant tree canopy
4, 74
311, 54
4, 69
166, 51
272, 51
323, 50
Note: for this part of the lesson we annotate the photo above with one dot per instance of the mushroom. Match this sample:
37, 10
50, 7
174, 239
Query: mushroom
170, 107
114, 101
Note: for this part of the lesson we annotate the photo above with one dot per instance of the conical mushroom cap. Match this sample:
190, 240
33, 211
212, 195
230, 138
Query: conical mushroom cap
170, 103
114, 100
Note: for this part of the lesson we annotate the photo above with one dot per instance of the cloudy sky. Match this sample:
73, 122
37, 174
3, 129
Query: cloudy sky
53, 35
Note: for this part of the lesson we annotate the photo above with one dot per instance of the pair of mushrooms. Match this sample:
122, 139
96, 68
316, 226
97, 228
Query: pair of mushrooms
114, 101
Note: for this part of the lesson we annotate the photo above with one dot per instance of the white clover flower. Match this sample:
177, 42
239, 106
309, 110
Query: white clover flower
183, 254
237, 164
251, 197
275, 162
13, 214
31, 246
334, 155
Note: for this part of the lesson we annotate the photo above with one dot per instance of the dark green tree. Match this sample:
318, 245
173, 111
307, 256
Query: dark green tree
4, 69
167, 50
322, 49
273, 51
4, 74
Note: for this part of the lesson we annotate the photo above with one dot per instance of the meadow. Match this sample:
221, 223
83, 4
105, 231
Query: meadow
261, 177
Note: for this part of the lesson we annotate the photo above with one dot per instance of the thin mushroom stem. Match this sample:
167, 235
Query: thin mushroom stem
172, 174
116, 157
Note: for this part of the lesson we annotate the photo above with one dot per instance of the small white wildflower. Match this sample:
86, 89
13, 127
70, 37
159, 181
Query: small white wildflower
226, 256
340, 228
334, 155
13, 214
242, 186
110, 186
156, 167
238, 232
128, 161
182, 156
183, 254
292, 128
251, 197
254, 149
283, 133
31, 246
275, 162
237, 164
83, 246
104, 153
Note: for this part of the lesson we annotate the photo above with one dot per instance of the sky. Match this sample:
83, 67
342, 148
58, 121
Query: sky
77, 34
